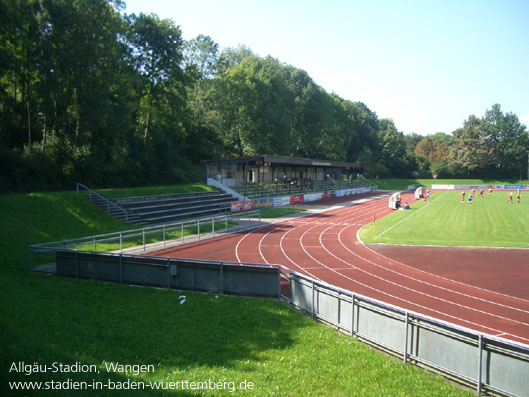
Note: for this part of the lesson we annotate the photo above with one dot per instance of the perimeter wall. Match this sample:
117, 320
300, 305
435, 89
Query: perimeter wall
468, 187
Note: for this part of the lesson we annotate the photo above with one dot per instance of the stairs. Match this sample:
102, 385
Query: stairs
151, 210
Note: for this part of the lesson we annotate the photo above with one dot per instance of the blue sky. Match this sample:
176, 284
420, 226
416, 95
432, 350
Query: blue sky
427, 65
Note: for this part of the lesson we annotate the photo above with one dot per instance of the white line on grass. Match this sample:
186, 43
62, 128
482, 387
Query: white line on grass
405, 219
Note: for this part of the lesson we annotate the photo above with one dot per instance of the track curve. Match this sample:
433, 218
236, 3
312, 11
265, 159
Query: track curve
324, 246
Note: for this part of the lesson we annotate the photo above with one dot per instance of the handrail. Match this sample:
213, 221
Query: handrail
148, 231
107, 201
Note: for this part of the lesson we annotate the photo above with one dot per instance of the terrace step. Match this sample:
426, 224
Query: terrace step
147, 210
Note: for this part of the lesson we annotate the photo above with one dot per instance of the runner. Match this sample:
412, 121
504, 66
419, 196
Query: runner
481, 193
510, 197
470, 198
462, 197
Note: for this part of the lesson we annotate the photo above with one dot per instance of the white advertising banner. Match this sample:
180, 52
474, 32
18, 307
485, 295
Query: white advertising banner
281, 201
313, 196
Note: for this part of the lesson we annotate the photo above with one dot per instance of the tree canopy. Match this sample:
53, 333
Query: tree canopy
90, 94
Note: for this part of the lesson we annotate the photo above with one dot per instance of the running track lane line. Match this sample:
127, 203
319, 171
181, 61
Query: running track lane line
408, 288
273, 228
348, 214
406, 301
376, 254
402, 221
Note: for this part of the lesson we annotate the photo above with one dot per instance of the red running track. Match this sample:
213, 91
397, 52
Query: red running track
325, 246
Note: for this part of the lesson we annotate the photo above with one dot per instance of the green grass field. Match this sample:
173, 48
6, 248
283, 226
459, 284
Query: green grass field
49, 319
445, 221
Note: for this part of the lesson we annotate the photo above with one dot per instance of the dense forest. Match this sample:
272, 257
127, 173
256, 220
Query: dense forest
90, 94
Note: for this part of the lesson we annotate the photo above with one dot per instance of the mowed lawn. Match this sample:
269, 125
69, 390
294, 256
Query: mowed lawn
491, 221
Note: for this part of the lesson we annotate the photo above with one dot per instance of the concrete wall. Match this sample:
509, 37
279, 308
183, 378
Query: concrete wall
171, 273
484, 362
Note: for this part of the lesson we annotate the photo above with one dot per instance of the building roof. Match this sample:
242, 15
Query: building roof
284, 160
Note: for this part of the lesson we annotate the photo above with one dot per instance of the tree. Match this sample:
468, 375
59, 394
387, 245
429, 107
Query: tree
392, 148
157, 56
21, 35
201, 57
365, 125
430, 148
471, 151
494, 146
232, 57
508, 142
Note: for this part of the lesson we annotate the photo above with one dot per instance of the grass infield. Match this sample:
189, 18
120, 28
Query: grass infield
491, 221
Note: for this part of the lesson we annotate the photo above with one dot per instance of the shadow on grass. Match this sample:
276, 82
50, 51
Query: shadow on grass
68, 321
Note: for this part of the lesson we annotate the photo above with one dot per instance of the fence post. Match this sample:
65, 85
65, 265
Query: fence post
312, 305
278, 283
352, 314
121, 268
198, 228
95, 245
406, 337
290, 286
480, 355
339, 309
163, 236
120, 242
213, 226
76, 264
182, 228
168, 273
221, 281
143, 233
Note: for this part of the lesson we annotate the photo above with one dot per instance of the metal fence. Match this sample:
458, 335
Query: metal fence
154, 237
222, 277
489, 364
107, 204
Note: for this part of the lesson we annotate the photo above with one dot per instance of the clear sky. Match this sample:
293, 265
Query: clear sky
426, 64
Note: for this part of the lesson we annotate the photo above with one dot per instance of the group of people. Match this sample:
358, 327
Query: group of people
296, 182
518, 195
482, 193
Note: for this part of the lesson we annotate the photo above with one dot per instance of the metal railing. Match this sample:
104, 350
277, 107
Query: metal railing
153, 238
487, 363
280, 187
108, 204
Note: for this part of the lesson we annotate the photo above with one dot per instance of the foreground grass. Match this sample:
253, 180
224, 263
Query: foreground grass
47, 319
402, 184
445, 221
279, 212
